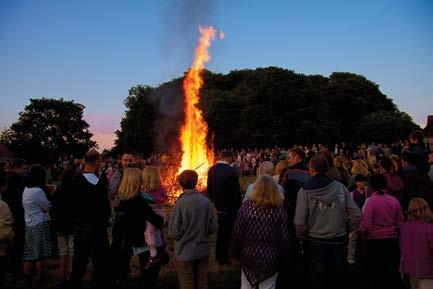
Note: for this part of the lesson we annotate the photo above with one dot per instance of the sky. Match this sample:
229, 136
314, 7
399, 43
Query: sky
94, 51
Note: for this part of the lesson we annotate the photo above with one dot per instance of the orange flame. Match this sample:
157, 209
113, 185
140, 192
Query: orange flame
196, 155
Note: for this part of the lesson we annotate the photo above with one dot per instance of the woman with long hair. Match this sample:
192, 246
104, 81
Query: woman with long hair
416, 242
130, 224
260, 238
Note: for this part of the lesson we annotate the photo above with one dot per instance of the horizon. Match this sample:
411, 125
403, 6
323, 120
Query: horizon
96, 54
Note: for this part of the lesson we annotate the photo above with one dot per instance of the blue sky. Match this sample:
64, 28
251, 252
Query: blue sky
94, 51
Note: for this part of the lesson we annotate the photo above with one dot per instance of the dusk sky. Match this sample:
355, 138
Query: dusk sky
94, 51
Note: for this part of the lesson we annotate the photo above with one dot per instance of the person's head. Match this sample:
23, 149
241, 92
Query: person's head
19, 166
295, 156
419, 210
416, 137
151, 179
385, 165
318, 164
281, 165
378, 183
360, 167
131, 184
188, 179
338, 162
226, 156
67, 177
127, 160
266, 168
430, 158
36, 177
361, 182
266, 192
407, 160
92, 160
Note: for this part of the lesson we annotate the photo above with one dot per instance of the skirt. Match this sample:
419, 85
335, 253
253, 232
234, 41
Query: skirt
39, 242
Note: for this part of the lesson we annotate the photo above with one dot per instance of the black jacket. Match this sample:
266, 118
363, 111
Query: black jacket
130, 222
91, 207
13, 196
62, 212
223, 188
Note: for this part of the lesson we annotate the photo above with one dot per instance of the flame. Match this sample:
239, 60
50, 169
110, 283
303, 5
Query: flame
196, 155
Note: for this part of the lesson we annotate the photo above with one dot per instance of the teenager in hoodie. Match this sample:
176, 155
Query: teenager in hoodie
324, 211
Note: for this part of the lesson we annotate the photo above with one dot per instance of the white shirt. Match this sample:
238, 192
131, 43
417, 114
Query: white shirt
91, 178
36, 206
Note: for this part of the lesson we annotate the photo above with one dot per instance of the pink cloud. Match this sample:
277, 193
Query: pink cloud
103, 126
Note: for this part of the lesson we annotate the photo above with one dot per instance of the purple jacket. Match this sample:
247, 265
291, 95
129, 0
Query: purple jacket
383, 217
416, 242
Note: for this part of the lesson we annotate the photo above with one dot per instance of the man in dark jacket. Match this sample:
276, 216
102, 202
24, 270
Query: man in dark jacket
224, 190
91, 214
13, 196
324, 212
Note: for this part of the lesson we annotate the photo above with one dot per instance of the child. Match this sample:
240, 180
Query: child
359, 195
156, 196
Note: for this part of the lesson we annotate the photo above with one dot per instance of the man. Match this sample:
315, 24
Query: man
91, 213
127, 160
265, 168
324, 211
417, 184
224, 190
295, 176
13, 196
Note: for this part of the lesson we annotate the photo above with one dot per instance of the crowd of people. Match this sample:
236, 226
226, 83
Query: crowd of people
312, 217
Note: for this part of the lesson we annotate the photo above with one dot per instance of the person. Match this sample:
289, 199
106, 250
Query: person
127, 160
129, 228
260, 237
6, 231
359, 194
153, 191
191, 224
295, 176
344, 174
265, 168
324, 211
61, 216
430, 162
416, 183
224, 190
419, 150
416, 243
91, 212
13, 196
394, 184
279, 169
39, 240
380, 226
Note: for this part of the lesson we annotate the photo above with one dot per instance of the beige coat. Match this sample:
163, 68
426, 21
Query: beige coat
6, 233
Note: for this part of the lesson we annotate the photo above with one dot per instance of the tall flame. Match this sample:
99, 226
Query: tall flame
196, 155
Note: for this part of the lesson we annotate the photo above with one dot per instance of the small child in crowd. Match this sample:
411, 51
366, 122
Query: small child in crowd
156, 196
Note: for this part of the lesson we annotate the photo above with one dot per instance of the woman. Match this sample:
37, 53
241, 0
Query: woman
61, 214
192, 222
416, 242
129, 227
39, 241
260, 238
380, 226
279, 169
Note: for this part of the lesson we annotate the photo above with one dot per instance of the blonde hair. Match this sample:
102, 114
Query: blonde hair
360, 167
266, 192
130, 185
419, 210
151, 179
281, 165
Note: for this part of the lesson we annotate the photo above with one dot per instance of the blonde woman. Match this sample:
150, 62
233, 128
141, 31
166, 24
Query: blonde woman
416, 243
129, 226
154, 193
261, 235
281, 166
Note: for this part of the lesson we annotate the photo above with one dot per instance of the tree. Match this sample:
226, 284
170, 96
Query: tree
386, 127
48, 128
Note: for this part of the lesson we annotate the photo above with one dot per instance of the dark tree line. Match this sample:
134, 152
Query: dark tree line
265, 107
49, 128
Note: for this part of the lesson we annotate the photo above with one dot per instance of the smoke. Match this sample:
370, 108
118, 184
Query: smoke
178, 39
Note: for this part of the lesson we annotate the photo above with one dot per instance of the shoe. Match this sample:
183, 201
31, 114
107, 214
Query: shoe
153, 261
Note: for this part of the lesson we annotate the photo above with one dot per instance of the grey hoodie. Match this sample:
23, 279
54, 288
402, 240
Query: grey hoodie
325, 212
